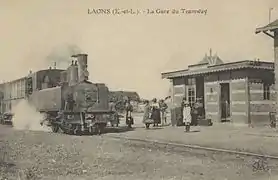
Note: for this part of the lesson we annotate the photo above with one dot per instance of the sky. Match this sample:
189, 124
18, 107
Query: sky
129, 52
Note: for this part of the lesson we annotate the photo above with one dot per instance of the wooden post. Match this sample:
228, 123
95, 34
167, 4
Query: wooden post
276, 69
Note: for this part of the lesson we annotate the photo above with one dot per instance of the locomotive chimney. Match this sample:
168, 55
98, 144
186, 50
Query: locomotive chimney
82, 62
72, 74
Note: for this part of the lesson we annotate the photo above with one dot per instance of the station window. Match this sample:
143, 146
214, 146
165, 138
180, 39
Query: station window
266, 91
191, 95
191, 81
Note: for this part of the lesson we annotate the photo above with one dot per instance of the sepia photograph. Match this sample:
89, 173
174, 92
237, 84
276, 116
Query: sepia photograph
139, 90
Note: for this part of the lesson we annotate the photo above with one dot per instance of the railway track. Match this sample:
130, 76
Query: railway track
196, 147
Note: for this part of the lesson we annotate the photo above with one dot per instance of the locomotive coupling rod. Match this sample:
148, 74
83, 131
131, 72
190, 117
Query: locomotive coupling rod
244, 153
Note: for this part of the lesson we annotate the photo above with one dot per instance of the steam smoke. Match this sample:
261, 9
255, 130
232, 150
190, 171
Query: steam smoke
27, 118
61, 55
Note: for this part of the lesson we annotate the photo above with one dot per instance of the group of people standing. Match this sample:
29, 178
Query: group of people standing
155, 113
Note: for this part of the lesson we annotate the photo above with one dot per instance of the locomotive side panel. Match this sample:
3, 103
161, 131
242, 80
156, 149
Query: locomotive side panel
103, 97
91, 97
49, 99
85, 96
67, 93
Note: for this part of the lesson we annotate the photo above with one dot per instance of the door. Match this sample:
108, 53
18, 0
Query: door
191, 94
225, 101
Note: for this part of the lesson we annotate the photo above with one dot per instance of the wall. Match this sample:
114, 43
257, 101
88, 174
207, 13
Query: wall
260, 108
239, 101
212, 90
178, 91
238, 96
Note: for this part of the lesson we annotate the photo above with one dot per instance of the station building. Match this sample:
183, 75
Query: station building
239, 92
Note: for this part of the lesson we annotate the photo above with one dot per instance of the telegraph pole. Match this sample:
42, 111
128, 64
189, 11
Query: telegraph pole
271, 30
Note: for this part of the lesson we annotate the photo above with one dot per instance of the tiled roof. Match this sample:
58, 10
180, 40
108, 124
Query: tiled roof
221, 67
270, 27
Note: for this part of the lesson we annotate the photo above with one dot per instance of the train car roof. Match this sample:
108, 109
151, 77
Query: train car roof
43, 70
39, 71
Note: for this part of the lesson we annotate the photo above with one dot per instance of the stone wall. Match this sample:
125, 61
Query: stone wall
239, 101
260, 107
212, 90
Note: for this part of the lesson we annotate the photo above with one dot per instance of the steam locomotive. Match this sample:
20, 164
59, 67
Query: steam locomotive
68, 100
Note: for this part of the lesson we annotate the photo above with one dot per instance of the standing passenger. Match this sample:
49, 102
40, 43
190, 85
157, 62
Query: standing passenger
194, 114
187, 116
155, 113
163, 108
147, 114
129, 110
114, 115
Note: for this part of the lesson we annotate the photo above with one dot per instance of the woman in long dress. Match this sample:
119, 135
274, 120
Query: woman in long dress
187, 116
155, 112
147, 115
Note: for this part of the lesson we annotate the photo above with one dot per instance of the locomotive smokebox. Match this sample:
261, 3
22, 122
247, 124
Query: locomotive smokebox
82, 62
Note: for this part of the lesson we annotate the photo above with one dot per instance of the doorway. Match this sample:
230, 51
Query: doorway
225, 102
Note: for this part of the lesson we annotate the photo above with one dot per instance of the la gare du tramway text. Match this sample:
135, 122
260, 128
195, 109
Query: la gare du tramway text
118, 11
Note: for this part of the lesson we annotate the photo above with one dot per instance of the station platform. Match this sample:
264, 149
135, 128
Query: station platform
259, 140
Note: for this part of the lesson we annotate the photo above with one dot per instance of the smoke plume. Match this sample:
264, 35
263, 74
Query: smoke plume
61, 55
27, 118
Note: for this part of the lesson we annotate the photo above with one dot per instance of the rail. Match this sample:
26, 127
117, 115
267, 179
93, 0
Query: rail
159, 142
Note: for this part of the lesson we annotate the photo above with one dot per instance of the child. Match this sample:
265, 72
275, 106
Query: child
187, 116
